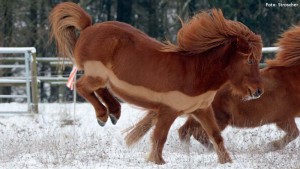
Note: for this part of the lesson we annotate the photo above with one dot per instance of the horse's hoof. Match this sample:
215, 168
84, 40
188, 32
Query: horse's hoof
275, 145
157, 160
209, 147
101, 123
224, 160
113, 119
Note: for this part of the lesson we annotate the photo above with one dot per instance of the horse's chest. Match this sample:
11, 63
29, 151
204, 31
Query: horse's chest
173, 99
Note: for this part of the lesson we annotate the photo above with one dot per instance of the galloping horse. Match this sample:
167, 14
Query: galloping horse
168, 79
280, 103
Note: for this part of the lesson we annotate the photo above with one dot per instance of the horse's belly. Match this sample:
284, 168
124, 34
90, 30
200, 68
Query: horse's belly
141, 96
187, 104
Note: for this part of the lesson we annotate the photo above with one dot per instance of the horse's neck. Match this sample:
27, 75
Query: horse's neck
205, 75
212, 68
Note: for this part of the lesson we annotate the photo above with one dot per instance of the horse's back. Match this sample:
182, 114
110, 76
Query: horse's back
103, 39
123, 49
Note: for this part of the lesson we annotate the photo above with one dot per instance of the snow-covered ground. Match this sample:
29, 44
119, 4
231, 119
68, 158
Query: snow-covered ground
60, 138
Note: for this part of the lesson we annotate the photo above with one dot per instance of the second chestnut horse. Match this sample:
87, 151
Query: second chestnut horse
280, 103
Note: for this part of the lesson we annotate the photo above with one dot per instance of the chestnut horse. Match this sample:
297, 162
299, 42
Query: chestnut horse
279, 104
164, 78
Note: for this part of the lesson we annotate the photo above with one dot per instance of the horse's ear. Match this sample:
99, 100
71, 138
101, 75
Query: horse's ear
242, 45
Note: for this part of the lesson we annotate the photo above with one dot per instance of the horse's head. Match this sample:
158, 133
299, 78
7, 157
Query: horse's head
238, 48
243, 69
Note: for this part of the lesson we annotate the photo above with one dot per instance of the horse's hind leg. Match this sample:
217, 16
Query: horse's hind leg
86, 86
292, 133
200, 135
193, 128
165, 119
186, 130
209, 124
112, 104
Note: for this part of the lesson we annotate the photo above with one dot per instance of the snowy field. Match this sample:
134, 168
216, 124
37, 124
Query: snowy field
60, 138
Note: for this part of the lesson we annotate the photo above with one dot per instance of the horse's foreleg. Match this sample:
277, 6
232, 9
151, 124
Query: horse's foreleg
112, 104
209, 124
86, 86
165, 119
292, 133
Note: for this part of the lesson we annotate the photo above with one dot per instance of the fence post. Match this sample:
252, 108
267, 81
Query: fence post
60, 87
34, 84
27, 70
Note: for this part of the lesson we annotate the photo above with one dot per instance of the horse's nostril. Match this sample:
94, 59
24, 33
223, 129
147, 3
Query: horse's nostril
258, 92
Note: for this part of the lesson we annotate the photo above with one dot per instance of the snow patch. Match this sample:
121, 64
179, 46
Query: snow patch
60, 138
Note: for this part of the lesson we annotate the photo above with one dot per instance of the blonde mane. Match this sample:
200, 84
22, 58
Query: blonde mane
289, 49
208, 30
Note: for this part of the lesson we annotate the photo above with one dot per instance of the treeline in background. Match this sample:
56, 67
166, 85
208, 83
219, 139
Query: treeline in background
24, 23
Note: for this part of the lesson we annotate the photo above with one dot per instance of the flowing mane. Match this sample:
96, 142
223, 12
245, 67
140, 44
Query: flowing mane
289, 53
208, 30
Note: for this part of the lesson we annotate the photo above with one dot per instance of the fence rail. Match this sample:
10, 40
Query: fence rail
270, 49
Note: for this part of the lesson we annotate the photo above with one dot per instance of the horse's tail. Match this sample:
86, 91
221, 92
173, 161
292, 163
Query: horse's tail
139, 130
65, 19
